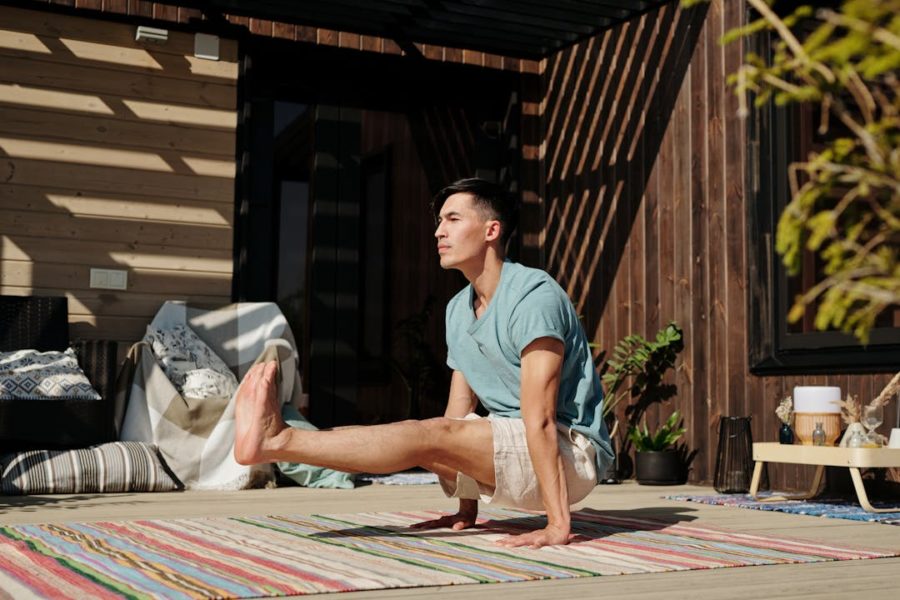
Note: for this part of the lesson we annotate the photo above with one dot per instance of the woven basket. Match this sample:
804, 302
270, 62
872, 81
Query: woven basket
805, 424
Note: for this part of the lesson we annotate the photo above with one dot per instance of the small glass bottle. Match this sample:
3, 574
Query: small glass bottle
818, 435
857, 439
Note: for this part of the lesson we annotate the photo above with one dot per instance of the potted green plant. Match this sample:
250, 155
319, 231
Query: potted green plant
640, 365
657, 460
635, 376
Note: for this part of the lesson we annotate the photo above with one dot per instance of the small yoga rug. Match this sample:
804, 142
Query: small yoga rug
405, 478
245, 557
829, 508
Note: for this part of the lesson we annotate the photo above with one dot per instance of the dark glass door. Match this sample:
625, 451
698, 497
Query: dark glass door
341, 154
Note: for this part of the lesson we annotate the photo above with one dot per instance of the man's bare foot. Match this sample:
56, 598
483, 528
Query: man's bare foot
258, 422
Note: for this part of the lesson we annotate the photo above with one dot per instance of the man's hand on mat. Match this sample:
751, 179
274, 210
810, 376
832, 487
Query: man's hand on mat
549, 536
457, 522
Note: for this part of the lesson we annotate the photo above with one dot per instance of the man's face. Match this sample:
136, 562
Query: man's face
463, 232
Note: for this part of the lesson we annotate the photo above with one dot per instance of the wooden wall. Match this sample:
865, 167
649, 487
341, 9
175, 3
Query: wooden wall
645, 212
113, 154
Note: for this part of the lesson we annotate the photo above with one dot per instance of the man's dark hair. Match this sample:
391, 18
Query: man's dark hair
489, 197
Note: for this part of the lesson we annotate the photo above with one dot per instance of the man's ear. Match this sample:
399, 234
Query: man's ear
493, 231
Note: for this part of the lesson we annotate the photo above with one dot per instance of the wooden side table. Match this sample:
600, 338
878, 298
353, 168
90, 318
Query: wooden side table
823, 456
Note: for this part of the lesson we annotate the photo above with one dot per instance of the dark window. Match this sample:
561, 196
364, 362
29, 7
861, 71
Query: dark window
779, 136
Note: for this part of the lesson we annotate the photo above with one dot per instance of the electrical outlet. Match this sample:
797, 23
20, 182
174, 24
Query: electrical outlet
109, 279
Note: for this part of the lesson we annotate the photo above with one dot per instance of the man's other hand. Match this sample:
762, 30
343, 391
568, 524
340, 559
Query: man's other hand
457, 522
549, 536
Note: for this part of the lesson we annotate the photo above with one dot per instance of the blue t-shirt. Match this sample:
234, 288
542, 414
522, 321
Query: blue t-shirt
527, 304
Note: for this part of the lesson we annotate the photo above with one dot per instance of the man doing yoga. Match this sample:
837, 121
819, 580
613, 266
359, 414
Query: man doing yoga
514, 344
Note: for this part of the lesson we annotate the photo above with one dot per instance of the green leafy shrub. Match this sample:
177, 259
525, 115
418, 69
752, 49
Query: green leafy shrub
664, 438
845, 199
646, 363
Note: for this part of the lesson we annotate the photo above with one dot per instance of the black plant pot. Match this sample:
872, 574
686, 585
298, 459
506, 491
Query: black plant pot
663, 467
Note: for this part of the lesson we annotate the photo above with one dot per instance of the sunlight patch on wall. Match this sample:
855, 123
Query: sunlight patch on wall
170, 260
25, 42
15, 272
78, 253
132, 57
29, 96
531, 109
170, 113
210, 167
531, 151
9, 249
212, 68
85, 155
140, 209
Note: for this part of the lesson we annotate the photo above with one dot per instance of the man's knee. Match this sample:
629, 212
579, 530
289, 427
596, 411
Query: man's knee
444, 438
438, 432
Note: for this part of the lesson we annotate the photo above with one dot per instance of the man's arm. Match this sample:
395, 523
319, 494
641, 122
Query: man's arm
462, 401
542, 363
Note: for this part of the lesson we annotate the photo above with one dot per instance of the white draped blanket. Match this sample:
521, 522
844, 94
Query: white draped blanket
196, 437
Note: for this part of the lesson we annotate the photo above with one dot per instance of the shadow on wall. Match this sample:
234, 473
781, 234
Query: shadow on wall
609, 102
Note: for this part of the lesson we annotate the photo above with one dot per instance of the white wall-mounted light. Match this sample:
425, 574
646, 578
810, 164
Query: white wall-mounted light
151, 34
206, 46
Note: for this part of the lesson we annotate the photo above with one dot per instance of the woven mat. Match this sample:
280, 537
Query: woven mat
243, 557
834, 508
406, 478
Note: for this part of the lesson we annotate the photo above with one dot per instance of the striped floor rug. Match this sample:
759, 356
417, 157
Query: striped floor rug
244, 557
829, 508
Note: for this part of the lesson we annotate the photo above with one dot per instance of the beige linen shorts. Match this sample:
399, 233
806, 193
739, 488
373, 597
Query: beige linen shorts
517, 484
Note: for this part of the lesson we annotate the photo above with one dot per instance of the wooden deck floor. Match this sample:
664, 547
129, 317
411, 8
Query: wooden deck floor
867, 578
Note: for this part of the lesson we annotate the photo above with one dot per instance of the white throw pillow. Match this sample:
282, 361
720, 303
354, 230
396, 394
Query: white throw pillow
192, 367
33, 375
207, 383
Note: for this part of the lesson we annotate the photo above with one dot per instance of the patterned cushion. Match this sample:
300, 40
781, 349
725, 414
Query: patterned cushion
112, 467
192, 367
33, 375
207, 383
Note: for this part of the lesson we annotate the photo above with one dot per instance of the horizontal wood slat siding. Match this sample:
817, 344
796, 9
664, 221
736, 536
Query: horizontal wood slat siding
645, 162
114, 154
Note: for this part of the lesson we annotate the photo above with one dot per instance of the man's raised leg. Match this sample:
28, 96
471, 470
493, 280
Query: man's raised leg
441, 445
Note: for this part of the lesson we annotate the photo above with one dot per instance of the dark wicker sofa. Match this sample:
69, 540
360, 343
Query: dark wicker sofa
41, 323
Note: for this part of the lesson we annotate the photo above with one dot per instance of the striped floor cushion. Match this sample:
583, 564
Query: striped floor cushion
112, 467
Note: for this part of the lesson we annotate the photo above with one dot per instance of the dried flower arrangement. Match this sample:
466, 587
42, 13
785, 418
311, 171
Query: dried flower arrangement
850, 409
785, 410
892, 388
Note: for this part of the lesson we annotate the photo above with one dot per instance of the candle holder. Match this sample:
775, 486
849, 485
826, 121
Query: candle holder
734, 456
